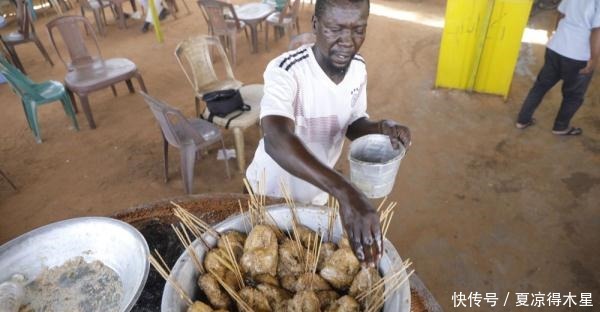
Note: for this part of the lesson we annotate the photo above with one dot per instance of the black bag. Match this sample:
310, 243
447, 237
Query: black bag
224, 102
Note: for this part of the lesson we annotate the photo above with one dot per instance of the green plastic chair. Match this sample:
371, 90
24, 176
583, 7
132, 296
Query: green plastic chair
34, 94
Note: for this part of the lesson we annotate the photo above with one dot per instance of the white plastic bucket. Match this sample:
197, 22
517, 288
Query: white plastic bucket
374, 164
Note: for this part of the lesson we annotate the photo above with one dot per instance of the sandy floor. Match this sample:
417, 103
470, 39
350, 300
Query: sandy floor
483, 207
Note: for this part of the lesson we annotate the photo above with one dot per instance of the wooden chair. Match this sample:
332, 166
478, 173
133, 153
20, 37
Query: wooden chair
286, 20
88, 73
188, 135
26, 33
195, 52
226, 29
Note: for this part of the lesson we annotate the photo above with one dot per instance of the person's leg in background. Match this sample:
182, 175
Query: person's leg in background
162, 13
546, 79
574, 87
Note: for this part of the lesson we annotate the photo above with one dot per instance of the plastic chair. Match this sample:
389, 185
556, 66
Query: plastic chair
97, 9
301, 39
8, 180
26, 32
196, 52
286, 20
35, 94
88, 73
188, 135
226, 29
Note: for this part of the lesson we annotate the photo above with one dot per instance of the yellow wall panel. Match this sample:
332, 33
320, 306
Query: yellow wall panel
502, 44
480, 44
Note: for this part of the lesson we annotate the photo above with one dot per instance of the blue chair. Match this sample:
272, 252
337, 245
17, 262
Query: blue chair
34, 94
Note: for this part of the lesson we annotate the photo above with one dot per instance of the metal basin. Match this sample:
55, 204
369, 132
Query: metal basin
117, 244
316, 218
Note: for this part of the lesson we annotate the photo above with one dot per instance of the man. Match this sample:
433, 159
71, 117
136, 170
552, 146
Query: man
162, 13
314, 96
571, 56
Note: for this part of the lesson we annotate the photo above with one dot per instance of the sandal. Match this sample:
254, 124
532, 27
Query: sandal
571, 131
525, 125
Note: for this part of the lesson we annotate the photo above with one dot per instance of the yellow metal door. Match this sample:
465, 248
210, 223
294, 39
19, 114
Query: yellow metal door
480, 44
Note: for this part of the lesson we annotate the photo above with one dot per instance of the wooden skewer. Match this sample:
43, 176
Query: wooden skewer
245, 307
162, 261
188, 246
381, 203
162, 271
233, 260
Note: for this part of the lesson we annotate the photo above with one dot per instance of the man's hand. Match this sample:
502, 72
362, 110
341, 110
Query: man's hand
589, 68
398, 134
363, 228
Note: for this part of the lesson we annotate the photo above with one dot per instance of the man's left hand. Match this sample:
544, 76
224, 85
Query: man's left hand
398, 134
589, 68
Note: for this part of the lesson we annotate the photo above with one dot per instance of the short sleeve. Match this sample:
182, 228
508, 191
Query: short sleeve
562, 7
279, 92
359, 107
596, 18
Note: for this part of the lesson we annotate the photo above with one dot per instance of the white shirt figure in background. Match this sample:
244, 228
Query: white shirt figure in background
571, 56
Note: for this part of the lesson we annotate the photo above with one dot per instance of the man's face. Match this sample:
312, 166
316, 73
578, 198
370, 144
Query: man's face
340, 32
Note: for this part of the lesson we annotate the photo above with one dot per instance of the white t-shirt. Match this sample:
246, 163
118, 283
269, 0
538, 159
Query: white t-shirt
572, 37
297, 88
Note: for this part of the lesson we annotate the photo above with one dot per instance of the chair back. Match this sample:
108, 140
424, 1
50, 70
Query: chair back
25, 25
70, 29
175, 127
215, 13
20, 83
196, 52
301, 39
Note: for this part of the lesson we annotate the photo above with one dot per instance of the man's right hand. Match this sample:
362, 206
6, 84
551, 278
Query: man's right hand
589, 68
361, 222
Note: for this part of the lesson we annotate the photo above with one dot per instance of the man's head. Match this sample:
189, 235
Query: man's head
340, 27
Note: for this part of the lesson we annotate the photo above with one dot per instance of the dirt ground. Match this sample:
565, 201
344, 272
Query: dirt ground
483, 207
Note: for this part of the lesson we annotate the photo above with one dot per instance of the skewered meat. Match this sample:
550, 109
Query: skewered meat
216, 295
306, 235
364, 280
255, 299
327, 297
305, 301
275, 295
327, 249
344, 304
260, 252
289, 258
288, 282
310, 281
266, 279
236, 241
212, 263
199, 306
344, 243
340, 268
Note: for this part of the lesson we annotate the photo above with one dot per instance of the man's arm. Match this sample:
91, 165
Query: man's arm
595, 51
359, 217
398, 134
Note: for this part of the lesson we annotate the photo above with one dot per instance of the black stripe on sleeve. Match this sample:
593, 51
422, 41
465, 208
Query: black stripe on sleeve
291, 56
296, 61
360, 59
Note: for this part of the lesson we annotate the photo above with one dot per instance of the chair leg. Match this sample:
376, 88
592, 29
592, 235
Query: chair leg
197, 102
8, 180
85, 105
165, 156
226, 159
43, 50
233, 50
99, 23
114, 90
72, 98
238, 136
34, 121
68, 107
138, 76
27, 113
267, 37
188, 159
130, 86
